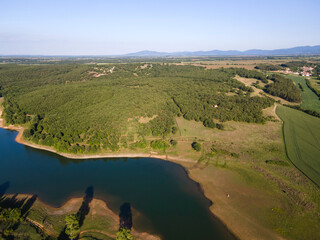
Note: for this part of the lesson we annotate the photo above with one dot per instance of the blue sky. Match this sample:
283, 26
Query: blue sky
100, 27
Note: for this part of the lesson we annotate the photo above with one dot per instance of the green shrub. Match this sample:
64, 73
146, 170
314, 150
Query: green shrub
209, 123
173, 142
196, 146
159, 144
140, 144
277, 162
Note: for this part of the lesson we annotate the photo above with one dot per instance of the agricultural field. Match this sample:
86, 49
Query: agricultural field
249, 63
302, 140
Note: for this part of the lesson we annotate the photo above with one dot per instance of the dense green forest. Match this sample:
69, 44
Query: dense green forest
67, 107
284, 88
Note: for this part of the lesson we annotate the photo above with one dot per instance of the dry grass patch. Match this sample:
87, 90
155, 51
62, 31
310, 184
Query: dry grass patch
146, 119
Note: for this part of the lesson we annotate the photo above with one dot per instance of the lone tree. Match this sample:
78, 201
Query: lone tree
124, 234
196, 146
72, 226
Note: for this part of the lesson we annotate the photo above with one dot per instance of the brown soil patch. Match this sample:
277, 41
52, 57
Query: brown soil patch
231, 94
71, 206
145, 66
235, 203
146, 119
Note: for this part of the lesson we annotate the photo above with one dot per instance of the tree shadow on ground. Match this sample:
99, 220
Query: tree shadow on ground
82, 212
125, 216
13, 202
63, 235
24, 204
85, 208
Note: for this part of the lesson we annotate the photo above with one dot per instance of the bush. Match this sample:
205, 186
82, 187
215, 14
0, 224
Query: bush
173, 142
220, 126
159, 144
196, 146
277, 162
174, 130
209, 123
140, 144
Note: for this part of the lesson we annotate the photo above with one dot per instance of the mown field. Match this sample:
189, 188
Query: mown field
302, 141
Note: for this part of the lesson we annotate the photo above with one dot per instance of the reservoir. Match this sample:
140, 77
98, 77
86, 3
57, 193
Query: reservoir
164, 200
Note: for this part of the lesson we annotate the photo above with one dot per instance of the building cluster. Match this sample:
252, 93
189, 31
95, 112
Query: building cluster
305, 71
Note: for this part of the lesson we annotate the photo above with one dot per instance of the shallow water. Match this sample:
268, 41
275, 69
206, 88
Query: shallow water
164, 199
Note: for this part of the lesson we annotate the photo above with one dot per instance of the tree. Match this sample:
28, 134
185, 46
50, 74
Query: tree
72, 226
10, 217
196, 146
174, 130
124, 234
209, 123
173, 142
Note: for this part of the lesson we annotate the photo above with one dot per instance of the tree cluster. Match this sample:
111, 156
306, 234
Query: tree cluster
284, 88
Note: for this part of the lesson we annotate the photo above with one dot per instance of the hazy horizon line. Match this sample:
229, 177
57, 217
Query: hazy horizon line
156, 51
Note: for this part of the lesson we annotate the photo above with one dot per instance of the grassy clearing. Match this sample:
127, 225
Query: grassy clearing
265, 190
310, 100
302, 140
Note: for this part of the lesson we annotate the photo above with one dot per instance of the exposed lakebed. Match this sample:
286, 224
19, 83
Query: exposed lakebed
165, 200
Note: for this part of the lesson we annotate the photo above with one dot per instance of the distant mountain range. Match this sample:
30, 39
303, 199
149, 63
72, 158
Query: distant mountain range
303, 50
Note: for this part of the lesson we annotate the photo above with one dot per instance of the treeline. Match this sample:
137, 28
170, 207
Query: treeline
316, 72
44, 132
268, 67
284, 88
316, 91
308, 111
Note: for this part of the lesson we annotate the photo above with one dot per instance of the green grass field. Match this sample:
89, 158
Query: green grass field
302, 141
310, 100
